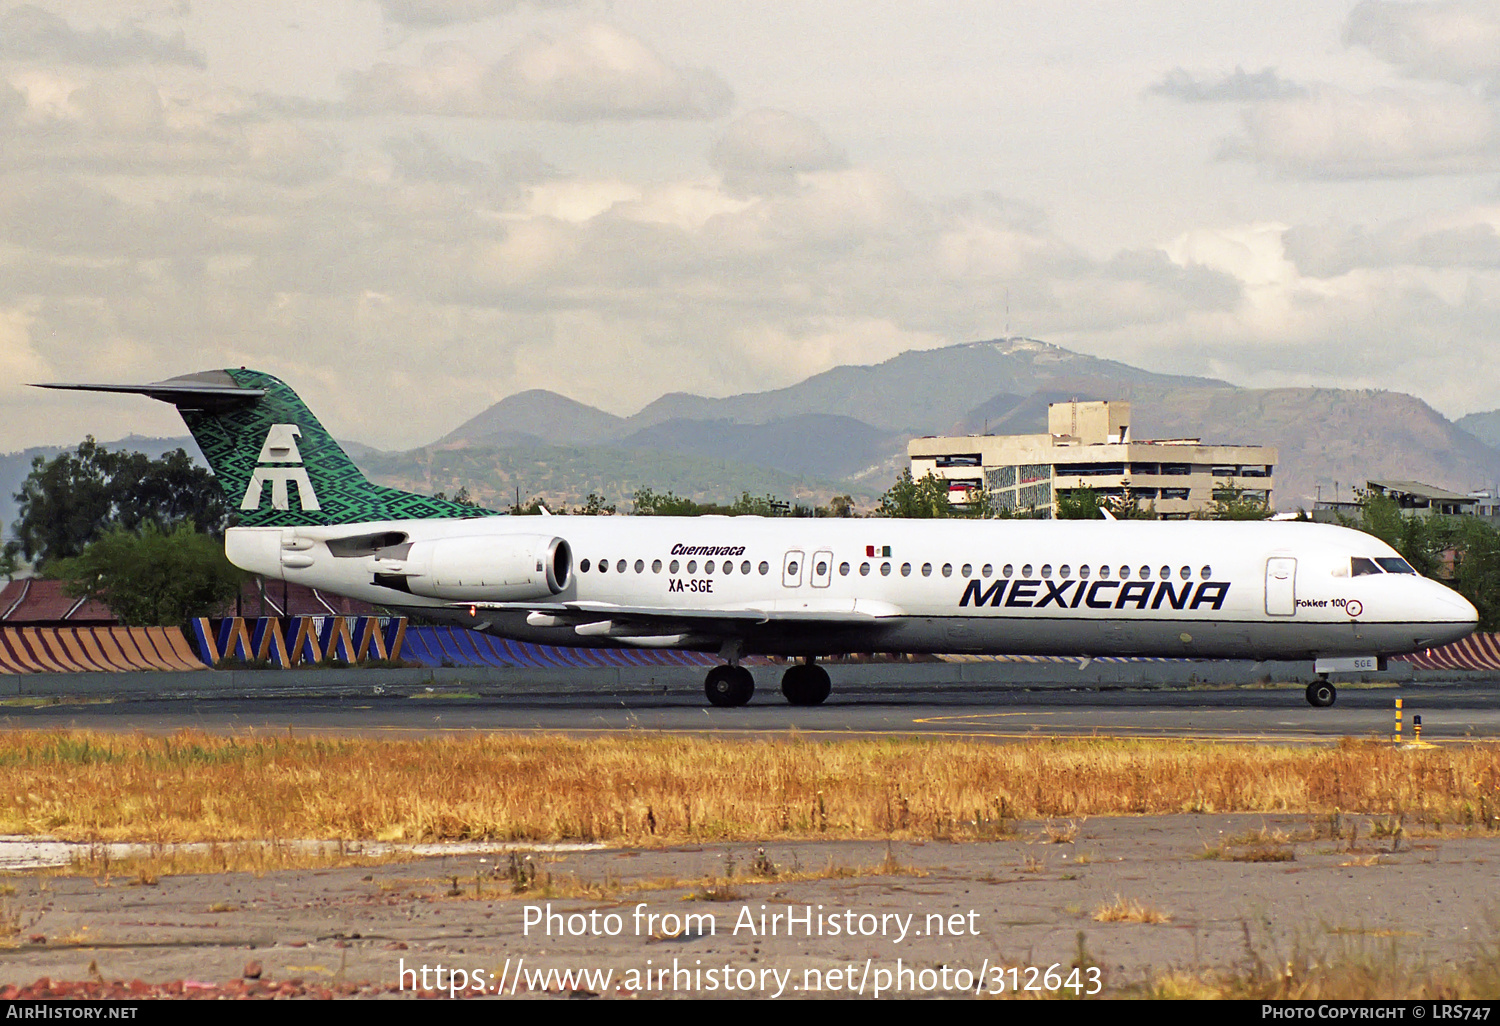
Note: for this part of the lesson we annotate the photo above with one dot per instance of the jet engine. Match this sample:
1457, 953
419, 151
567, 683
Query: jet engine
492, 568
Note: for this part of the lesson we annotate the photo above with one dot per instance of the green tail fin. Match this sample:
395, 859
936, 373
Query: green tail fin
277, 465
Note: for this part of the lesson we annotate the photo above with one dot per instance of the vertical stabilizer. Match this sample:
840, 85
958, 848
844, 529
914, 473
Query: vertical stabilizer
277, 464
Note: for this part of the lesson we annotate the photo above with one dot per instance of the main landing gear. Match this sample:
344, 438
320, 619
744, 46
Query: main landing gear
804, 683
1321, 694
729, 686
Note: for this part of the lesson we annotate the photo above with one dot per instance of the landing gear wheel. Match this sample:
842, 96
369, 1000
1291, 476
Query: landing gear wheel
1321, 694
806, 684
729, 686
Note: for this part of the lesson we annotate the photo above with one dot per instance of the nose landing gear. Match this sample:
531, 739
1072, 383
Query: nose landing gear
1321, 694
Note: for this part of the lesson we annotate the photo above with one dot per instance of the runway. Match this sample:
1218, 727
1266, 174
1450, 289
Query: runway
1451, 712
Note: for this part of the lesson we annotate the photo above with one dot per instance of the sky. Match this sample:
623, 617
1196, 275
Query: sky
410, 209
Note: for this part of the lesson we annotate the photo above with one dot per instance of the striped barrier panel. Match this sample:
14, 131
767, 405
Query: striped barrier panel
313, 639
1476, 652
94, 650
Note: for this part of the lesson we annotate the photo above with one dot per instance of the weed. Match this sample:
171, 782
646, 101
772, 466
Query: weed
1123, 910
1061, 834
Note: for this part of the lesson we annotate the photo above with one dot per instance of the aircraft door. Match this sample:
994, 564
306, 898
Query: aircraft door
822, 569
1281, 586
791, 569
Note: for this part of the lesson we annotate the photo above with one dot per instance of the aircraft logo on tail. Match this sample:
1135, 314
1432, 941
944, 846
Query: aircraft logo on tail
280, 448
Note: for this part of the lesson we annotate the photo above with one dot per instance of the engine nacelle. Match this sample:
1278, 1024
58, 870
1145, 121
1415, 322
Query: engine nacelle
493, 568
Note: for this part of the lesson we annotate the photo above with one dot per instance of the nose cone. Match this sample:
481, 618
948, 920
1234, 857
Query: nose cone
1452, 609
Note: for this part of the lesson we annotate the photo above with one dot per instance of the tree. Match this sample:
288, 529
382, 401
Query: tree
153, 578
649, 504
1078, 504
594, 506
911, 499
75, 498
1232, 503
1477, 575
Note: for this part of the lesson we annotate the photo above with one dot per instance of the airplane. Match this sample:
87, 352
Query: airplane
801, 588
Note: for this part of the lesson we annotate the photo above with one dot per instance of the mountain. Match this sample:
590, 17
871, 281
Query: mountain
537, 417
1483, 426
849, 425
925, 391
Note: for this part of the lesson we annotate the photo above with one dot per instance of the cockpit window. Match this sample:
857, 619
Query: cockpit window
1359, 566
1394, 565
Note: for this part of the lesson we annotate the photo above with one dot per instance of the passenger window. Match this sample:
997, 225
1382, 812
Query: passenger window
926, 569
821, 570
968, 568
620, 566
1206, 572
604, 566
1186, 573
1008, 571
885, 569
674, 567
1166, 573
905, 569
1359, 566
729, 566
843, 569
1145, 573
791, 568
986, 570
692, 566
947, 569
745, 567
583, 567
1124, 573
864, 569
708, 567
1047, 572
1083, 573
764, 568
1104, 573
1026, 570
1065, 571
640, 566
656, 566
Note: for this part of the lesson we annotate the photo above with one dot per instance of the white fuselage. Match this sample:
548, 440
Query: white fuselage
825, 586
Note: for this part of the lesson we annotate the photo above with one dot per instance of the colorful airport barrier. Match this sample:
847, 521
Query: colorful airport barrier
1476, 652
313, 639
97, 649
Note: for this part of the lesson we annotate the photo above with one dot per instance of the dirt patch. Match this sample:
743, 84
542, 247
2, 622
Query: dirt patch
787, 919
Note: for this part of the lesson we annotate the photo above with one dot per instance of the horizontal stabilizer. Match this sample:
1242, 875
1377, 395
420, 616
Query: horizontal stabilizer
211, 392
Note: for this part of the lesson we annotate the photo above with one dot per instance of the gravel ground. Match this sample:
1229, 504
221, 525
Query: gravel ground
947, 918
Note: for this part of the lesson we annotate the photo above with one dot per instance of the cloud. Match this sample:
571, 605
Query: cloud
1456, 41
595, 73
432, 13
1331, 133
767, 149
1239, 86
28, 33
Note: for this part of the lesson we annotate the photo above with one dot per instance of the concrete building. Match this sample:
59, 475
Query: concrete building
1088, 445
1414, 498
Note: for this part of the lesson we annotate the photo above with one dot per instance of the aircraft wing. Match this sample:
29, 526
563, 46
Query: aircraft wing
648, 625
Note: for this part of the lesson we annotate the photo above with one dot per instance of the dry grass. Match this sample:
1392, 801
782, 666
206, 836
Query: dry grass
1128, 910
654, 789
1340, 968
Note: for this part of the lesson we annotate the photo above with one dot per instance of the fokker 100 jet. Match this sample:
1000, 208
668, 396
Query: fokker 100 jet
801, 588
